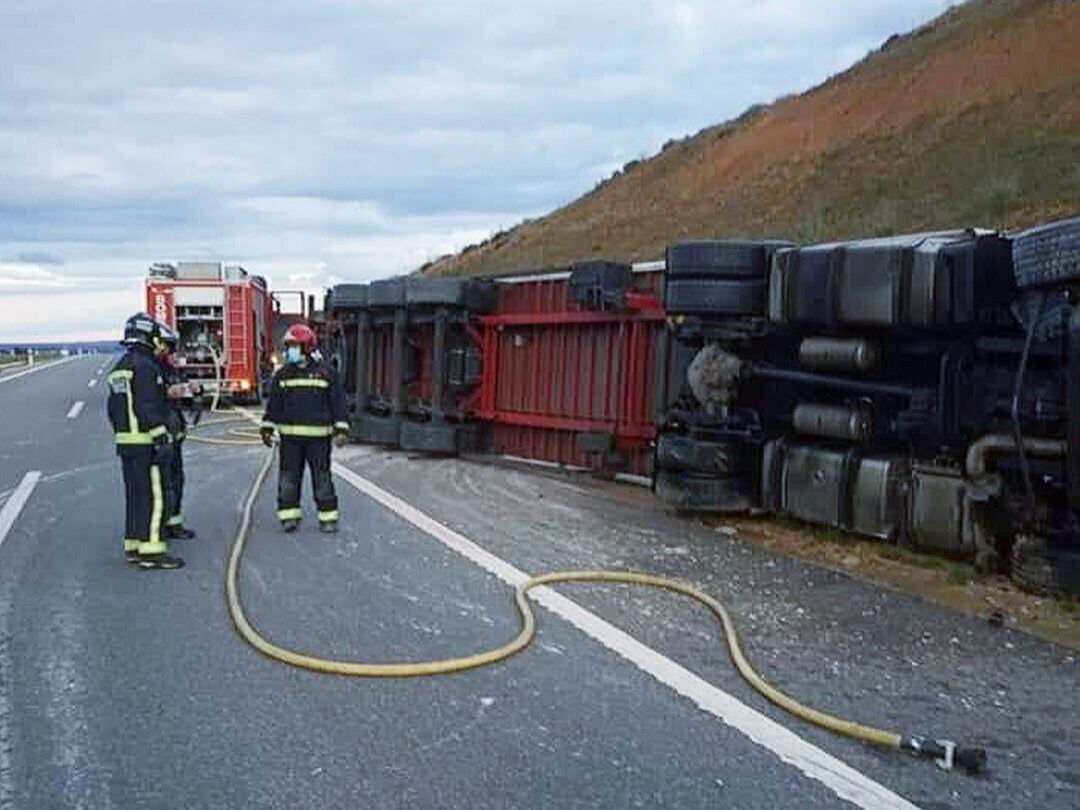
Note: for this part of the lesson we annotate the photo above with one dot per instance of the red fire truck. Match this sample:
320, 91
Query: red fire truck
225, 319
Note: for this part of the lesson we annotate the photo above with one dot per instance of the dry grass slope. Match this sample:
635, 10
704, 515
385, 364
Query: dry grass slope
972, 119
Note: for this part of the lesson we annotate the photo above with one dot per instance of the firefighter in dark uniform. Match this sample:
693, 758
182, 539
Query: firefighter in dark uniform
306, 407
139, 414
172, 453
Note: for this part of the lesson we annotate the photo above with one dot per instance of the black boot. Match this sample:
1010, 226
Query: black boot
328, 527
164, 562
179, 533
290, 525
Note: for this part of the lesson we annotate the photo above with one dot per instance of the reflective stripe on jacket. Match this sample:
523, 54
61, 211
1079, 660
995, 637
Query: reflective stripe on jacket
136, 401
306, 401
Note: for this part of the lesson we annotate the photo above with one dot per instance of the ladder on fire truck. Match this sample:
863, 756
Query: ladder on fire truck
236, 328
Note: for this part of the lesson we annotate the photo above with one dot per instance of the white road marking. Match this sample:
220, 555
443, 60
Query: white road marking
35, 369
75, 409
16, 502
92, 383
840, 778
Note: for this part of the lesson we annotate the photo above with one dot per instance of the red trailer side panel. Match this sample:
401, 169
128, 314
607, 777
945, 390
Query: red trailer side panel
565, 384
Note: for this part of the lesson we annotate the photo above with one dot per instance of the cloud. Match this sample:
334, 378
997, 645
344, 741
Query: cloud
36, 257
24, 278
334, 140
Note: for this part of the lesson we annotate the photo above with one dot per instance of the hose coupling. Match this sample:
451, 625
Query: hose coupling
947, 754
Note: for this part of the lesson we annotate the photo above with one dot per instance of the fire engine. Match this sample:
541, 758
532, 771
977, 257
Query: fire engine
225, 319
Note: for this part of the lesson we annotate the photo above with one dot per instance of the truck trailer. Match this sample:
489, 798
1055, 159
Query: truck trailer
921, 389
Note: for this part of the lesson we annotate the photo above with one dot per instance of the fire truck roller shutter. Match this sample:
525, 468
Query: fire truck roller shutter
199, 296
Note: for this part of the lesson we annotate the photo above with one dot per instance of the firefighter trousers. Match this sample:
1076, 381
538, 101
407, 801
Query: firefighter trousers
144, 498
294, 453
171, 457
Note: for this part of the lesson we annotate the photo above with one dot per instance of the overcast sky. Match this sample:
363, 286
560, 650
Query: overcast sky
316, 141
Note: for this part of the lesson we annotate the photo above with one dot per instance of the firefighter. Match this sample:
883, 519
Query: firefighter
172, 452
306, 407
139, 414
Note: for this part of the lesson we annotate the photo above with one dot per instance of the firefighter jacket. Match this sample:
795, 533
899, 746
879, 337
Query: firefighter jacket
176, 423
137, 407
306, 401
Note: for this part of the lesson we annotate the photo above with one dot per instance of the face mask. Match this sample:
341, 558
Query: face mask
293, 354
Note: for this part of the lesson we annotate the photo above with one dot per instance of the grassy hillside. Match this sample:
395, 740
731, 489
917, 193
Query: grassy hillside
972, 119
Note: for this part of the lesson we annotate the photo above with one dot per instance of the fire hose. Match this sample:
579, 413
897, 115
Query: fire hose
946, 753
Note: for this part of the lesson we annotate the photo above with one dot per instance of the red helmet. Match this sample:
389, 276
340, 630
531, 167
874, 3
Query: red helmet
301, 334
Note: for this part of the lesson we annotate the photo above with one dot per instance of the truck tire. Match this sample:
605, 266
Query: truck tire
1046, 569
435, 291
349, 296
675, 452
430, 437
689, 492
1048, 254
389, 292
725, 259
384, 430
715, 296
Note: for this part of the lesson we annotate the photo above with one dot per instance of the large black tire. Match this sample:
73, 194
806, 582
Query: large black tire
676, 452
349, 296
1046, 569
689, 492
1048, 254
389, 292
430, 437
435, 291
384, 430
715, 296
725, 259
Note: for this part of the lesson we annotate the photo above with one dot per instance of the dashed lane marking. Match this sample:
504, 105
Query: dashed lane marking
92, 383
75, 409
839, 777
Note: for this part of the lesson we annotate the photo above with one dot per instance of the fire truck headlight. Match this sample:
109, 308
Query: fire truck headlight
245, 385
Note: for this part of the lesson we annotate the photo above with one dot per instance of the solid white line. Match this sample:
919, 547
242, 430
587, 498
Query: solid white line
92, 383
840, 778
35, 369
78, 406
16, 502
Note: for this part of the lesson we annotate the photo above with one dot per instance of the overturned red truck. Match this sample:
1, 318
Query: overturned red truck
921, 389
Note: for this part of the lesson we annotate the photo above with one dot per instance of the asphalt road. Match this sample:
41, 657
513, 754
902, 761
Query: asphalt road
121, 688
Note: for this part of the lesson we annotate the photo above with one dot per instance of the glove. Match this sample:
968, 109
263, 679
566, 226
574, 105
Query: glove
341, 438
267, 436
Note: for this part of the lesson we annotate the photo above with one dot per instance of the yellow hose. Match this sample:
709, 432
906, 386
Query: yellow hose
238, 437
365, 669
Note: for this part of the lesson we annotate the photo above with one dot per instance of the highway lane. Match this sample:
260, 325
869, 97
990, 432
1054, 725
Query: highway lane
34, 427
128, 688
121, 688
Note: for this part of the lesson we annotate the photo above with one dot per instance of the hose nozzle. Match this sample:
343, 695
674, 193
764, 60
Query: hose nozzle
947, 754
